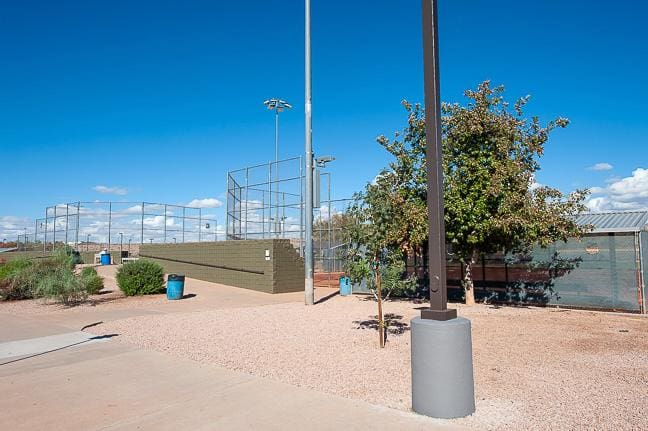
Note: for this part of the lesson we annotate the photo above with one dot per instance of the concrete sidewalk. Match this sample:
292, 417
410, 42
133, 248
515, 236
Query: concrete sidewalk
54, 377
112, 385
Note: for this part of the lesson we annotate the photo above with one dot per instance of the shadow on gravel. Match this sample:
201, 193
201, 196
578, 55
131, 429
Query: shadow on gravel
393, 322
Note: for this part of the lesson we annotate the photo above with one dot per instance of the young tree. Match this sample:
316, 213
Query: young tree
375, 227
491, 155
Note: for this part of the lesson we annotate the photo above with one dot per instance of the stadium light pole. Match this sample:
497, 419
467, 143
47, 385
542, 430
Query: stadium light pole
309, 290
442, 370
278, 106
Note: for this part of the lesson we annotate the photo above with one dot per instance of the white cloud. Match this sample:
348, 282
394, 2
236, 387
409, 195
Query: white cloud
120, 191
205, 203
12, 226
625, 194
601, 167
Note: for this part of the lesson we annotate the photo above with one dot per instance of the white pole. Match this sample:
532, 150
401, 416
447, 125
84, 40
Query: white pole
308, 258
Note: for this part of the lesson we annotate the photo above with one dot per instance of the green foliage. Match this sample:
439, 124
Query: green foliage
92, 282
23, 283
64, 257
490, 157
10, 268
396, 282
140, 277
62, 286
9, 289
51, 278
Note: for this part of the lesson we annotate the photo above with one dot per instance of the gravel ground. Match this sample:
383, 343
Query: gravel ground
535, 368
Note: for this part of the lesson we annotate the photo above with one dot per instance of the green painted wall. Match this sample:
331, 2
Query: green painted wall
234, 263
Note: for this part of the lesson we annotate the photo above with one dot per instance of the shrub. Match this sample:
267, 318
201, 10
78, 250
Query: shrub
16, 280
92, 282
140, 277
62, 286
64, 257
10, 268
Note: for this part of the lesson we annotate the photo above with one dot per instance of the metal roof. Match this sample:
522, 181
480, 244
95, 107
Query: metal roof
634, 221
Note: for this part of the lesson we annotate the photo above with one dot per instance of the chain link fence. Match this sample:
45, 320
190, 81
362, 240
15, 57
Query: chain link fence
92, 226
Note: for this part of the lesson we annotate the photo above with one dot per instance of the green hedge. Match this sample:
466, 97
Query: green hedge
140, 277
92, 282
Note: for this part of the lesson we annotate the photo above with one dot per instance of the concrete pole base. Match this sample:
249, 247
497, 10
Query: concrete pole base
442, 368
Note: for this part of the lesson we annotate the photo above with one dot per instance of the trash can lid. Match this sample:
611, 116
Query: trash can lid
176, 277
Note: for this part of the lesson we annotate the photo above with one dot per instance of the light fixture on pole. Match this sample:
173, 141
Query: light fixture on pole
278, 106
442, 369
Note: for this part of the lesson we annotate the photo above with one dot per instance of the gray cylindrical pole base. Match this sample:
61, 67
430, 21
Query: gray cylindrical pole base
442, 368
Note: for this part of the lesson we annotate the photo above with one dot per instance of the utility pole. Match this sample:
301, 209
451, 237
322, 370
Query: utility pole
442, 369
309, 289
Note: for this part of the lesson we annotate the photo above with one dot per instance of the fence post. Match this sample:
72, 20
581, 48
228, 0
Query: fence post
78, 223
45, 240
142, 226
67, 220
270, 197
109, 223
246, 200
301, 207
54, 230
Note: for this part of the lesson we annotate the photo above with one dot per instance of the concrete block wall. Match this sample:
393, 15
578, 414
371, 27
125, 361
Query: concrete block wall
234, 263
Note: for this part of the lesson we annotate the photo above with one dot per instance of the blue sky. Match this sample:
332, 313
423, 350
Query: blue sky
158, 100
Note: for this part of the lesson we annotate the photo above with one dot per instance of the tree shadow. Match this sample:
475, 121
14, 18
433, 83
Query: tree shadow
393, 324
537, 285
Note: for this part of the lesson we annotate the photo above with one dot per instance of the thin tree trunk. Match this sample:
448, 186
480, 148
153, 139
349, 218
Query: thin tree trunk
381, 322
469, 285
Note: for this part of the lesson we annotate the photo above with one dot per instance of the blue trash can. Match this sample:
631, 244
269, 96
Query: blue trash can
105, 258
345, 286
175, 286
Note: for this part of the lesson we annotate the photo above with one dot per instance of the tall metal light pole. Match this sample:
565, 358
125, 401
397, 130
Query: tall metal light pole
121, 245
442, 370
308, 144
278, 106
436, 226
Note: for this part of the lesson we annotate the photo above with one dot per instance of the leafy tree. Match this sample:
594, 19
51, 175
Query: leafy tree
491, 155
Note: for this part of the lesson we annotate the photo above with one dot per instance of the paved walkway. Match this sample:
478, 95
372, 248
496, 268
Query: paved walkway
54, 377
